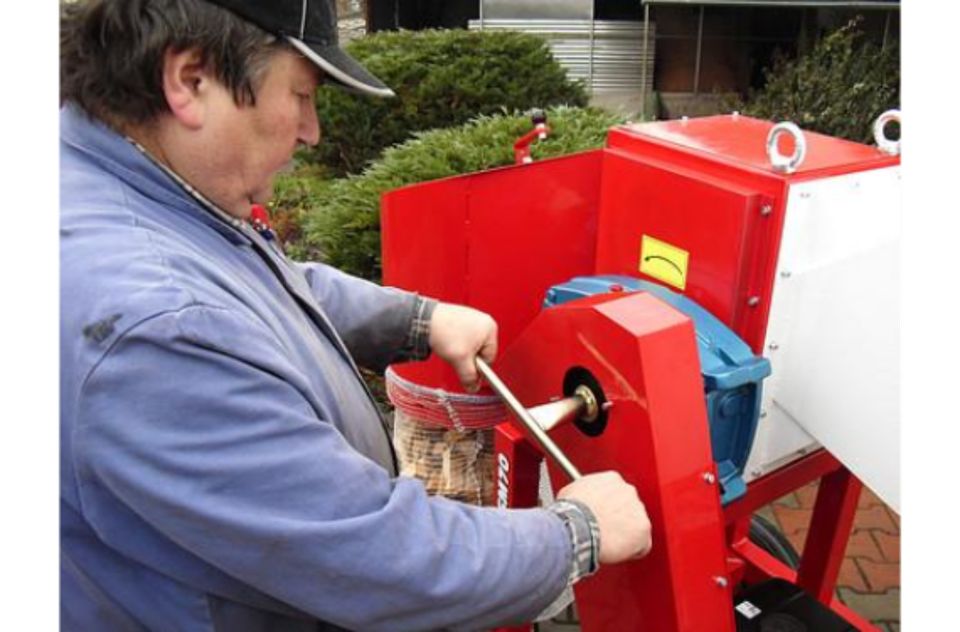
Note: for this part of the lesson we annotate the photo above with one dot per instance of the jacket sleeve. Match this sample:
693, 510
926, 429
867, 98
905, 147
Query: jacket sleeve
379, 325
226, 458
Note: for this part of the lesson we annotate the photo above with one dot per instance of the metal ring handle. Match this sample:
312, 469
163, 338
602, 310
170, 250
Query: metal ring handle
886, 145
786, 164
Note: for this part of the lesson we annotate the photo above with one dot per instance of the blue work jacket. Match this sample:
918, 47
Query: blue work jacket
223, 467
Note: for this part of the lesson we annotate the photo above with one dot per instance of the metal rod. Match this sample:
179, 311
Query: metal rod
696, 68
646, 59
524, 416
549, 416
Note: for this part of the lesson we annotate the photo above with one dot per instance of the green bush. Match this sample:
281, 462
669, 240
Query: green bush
442, 79
839, 88
343, 226
294, 193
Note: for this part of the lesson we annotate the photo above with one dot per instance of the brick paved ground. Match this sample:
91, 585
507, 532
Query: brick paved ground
869, 580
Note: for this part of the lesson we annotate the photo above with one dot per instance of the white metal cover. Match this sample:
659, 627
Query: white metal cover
833, 334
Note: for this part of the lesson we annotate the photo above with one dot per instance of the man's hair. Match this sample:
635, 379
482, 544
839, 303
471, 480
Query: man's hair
112, 53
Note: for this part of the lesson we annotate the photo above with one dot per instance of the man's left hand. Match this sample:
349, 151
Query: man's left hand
459, 334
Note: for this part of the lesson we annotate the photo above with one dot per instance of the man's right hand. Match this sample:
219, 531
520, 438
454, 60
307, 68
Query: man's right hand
621, 516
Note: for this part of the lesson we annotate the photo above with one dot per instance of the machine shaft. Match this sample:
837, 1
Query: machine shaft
527, 420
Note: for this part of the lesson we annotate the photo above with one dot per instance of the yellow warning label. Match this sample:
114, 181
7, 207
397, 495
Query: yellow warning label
664, 262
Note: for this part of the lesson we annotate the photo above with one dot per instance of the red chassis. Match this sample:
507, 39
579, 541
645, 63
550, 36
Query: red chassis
643, 354
498, 240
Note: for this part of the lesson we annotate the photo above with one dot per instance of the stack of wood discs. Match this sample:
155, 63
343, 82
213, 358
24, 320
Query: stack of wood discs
445, 439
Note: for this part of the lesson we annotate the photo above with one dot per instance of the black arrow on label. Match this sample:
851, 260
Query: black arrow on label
675, 266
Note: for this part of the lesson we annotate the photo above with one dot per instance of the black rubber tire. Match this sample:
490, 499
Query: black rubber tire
768, 537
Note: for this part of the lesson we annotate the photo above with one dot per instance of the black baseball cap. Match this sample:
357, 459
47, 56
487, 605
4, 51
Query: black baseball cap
311, 27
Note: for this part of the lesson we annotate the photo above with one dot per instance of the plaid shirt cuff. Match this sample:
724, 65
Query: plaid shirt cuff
417, 346
584, 533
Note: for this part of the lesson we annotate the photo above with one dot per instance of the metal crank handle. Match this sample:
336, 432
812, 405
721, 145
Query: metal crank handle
527, 420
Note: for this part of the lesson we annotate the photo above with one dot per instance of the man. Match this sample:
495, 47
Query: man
223, 466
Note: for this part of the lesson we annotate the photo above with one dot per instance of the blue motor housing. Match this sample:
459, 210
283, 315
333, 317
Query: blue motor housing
732, 374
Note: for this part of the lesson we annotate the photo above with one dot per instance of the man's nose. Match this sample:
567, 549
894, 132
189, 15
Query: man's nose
309, 127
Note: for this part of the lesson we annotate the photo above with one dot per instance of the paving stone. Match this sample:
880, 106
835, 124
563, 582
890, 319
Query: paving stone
894, 516
790, 500
807, 495
792, 520
880, 575
889, 545
876, 607
876, 517
797, 539
850, 576
767, 512
868, 499
862, 545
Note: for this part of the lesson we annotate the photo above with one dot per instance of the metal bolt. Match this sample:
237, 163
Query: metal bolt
773, 346
756, 472
753, 301
766, 209
786, 274
606, 405
709, 478
720, 581
805, 195
763, 414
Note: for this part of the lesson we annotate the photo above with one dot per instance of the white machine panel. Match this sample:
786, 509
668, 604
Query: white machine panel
833, 335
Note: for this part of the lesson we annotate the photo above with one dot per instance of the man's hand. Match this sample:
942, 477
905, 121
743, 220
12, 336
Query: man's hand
458, 335
621, 516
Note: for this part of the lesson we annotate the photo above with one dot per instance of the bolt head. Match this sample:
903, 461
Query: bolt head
753, 301
709, 478
720, 581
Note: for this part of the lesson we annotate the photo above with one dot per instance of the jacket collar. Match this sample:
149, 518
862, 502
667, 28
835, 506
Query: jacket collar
130, 163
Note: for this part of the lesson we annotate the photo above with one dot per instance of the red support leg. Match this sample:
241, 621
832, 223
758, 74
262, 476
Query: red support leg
830, 528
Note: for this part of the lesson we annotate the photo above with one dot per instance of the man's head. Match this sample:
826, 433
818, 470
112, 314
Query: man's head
204, 87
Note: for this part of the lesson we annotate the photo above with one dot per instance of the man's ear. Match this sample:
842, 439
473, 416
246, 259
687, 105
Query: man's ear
186, 84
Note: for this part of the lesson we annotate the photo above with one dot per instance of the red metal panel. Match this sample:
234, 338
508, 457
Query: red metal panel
644, 355
740, 141
495, 240
517, 468
708, 218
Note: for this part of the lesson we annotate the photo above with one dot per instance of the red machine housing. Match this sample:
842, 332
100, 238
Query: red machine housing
497, 240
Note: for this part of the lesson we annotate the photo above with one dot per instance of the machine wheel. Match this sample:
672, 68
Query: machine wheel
768, 537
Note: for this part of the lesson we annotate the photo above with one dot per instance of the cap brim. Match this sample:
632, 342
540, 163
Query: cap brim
342, 68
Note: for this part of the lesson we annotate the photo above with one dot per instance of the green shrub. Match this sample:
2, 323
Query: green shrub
343, 226
294, 193
442, 79
839, 88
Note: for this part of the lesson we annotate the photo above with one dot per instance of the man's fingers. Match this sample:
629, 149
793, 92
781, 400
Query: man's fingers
489, 351
467, 372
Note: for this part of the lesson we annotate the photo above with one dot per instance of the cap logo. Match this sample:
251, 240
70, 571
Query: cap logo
303, 19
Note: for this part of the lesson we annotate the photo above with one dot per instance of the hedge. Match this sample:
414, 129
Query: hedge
343, 226
839, 88
442, 78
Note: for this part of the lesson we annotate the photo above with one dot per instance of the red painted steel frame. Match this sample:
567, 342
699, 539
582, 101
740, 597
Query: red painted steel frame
643, 353
826, 541
498, 240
